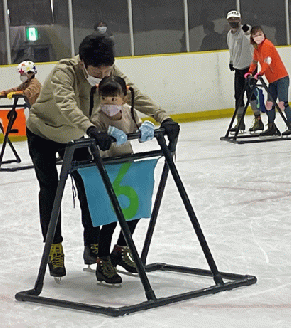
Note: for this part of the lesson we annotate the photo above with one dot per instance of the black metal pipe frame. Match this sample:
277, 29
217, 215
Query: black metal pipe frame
18, 160
155, 211
9, 128
12, 117
116, 312
68, 157
118, 159
235, 136
124, 227
162, 184
190, 211
235, 112
274, 102
152, 301
247, 82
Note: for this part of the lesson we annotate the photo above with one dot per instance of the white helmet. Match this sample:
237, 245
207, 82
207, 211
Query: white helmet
233, 14
26, 66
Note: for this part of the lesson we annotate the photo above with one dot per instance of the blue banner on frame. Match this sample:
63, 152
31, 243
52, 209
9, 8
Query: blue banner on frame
133, 183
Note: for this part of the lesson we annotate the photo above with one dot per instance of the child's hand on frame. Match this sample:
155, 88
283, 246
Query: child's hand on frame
147, 131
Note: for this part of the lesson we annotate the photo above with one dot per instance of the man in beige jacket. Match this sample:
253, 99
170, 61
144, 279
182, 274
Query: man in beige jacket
61, 114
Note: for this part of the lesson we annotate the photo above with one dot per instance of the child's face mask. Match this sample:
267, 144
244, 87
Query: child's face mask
111, 105
259, 38
110, 110
23, 78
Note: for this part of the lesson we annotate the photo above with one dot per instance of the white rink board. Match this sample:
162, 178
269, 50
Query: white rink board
180, 83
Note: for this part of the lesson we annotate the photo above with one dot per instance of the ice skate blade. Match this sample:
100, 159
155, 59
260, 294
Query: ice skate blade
276, 136
58, 280
257, 132
127, 273
105, 284
239, 132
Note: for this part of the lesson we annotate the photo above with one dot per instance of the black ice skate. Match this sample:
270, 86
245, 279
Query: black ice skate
90, 256
240, 127
258, 125
106, 271
271, 131
121, 255
288, 131
56, 261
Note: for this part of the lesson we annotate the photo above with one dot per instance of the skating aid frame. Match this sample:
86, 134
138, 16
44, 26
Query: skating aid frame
152, 301
12, 115
252, 137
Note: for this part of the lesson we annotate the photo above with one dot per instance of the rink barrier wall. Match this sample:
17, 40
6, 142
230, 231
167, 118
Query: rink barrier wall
189, 86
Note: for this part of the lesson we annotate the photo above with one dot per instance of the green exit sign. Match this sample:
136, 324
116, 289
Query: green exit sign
31, 34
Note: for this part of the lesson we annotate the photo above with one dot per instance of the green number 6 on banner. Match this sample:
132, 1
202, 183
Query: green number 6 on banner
127, 191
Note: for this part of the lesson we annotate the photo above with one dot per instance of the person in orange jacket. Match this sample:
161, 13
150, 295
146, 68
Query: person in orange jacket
273, 68
30, 86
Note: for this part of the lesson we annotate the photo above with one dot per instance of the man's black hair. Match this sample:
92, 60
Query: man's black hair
97, 51
112, 86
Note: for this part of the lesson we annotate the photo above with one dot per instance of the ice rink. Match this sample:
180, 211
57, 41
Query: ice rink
241, 196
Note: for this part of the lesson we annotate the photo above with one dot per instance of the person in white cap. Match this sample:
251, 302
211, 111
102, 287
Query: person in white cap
240, 58
30, 86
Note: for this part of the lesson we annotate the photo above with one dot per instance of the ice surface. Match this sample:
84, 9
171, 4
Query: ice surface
241, 196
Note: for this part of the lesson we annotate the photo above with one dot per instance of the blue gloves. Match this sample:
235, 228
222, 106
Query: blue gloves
146, 133
147, 130
119, 135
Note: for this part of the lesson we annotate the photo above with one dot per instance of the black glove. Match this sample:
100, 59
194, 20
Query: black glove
103, 140
231, 67
172, 129
246, 27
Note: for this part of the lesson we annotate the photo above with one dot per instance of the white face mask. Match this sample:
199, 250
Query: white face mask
111, 110
93, 80
259, 39
102, 29
23, 78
